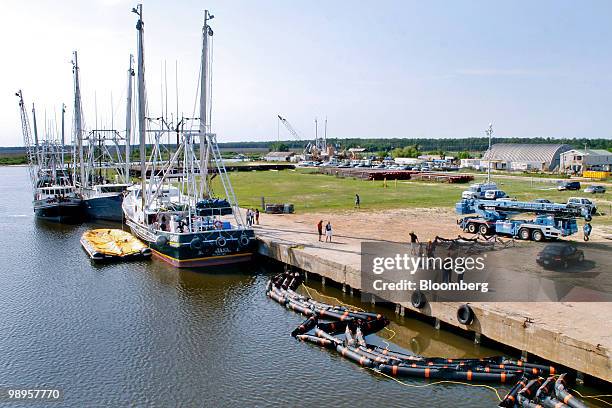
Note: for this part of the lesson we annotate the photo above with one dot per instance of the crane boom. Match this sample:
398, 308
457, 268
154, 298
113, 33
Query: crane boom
290, 128
27, 136
492, 216
501, 209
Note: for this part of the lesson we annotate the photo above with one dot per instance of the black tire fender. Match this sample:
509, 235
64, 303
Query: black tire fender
196, 244
221, 241
465, 314
418, 299
161, 241
244, 240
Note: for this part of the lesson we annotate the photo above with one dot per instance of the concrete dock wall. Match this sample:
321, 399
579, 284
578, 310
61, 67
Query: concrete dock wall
568, 334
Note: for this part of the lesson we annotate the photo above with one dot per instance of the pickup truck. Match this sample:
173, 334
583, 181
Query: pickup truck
478, 190
581, 202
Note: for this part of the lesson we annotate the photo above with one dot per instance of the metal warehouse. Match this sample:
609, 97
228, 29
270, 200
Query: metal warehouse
510, 156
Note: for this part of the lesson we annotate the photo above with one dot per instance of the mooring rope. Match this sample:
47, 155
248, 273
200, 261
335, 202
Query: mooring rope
595, 397
437, 382
341, 303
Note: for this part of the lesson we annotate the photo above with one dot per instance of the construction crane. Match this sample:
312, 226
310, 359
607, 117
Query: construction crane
308, 149
493, 217
290, 128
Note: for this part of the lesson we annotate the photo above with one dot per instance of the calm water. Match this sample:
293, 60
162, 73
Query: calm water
145, 334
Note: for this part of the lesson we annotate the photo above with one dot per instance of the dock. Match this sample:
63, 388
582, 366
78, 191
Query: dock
575, 335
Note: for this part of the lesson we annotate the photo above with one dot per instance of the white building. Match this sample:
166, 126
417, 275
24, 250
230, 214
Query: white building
407, 161
279, 156
577, 161
470, 164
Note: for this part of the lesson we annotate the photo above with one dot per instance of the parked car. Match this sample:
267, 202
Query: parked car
542, 201
568, 185
494, 194
559, 254
595, 189
478, 190
581, 202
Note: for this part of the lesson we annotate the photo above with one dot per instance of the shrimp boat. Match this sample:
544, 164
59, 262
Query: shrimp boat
177, 210
55, 199
101, 154
55, 196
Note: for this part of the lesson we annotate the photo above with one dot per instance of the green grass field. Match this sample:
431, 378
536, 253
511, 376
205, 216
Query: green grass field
310, 192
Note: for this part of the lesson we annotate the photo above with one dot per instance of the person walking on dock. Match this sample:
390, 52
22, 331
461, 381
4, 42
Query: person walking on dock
357, 201
430, 249
414, 243
320, 229
248, 217
257, 216
328, 232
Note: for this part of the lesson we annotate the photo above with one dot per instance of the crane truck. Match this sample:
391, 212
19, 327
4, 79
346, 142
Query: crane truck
489, 217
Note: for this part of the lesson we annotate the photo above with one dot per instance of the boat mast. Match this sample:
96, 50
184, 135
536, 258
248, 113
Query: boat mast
36, 147
141, 104
63, 134
206, 31
78, 121
128, 120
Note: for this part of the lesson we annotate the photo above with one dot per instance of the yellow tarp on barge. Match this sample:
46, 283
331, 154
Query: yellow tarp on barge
113, 243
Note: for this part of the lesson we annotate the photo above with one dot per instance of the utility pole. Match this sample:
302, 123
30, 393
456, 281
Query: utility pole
325, 135
316, 134
489, 133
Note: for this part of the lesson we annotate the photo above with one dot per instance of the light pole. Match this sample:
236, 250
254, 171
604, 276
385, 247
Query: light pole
489, 133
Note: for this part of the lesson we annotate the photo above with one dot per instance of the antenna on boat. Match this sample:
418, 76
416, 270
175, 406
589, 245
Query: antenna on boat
141, 103
176, 93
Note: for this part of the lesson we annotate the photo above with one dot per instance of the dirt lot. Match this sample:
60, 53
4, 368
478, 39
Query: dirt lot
396, 224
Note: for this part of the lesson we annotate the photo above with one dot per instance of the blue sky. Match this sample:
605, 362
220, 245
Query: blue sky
375, 69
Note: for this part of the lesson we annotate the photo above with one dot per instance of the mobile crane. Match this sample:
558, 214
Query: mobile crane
489, 217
